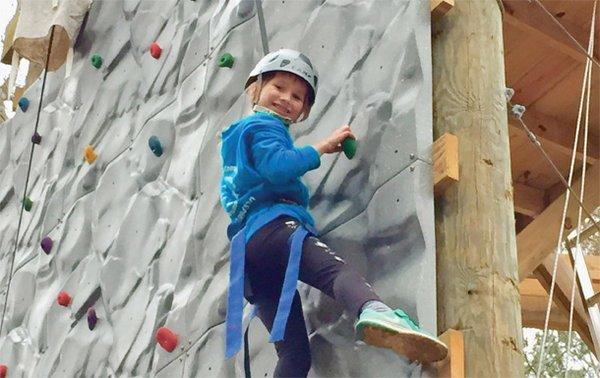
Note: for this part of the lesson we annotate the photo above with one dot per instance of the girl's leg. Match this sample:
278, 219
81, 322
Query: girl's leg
321, 268
267, 256
294, 350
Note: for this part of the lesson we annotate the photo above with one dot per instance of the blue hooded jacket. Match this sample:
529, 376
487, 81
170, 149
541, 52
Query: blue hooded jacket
261, 173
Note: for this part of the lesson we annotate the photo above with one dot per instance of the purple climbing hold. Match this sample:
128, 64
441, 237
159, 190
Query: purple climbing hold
36, 138
92, 319
46, 244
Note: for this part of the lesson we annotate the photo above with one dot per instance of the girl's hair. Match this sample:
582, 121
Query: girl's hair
255, 88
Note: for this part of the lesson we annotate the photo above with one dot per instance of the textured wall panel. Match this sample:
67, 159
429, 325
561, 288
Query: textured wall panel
141, 238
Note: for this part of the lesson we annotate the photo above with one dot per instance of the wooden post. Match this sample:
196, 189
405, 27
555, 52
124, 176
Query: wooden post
477, 275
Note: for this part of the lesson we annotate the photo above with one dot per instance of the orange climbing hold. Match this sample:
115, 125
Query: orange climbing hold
64, 299
167, 339
89, 154
3, 371
155, 50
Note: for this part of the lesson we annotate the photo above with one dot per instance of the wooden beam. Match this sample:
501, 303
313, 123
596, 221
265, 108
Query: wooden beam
535, 242
554, 136
534, 300
532, 21
528, 200
476, 250
445, 162
439, 8
453, 366
562, 295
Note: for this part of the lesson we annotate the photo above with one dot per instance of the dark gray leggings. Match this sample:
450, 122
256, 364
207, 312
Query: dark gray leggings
267, 254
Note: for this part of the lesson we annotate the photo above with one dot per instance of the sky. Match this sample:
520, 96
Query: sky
8, 10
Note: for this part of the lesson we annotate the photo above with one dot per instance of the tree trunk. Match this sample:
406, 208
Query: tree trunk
477, 273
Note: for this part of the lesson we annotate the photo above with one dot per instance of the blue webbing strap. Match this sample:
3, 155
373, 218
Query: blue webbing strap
235, 296
290, 281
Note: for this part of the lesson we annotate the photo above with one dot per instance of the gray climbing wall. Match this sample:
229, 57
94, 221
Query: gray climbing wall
142, 238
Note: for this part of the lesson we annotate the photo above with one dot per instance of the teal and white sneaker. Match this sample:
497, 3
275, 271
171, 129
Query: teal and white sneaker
395, 330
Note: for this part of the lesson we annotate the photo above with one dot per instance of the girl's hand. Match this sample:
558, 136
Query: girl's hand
333, 143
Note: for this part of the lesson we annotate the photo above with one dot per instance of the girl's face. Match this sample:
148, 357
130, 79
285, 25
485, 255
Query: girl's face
284, 94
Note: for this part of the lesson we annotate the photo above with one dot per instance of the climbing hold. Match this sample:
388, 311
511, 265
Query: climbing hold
27, 204
167, 339
46, 244
155, 50
24, 103
3, 371
155, 145
63, 299
349, 147
89, 154
96, 60
92, 319
226, 60
36, 138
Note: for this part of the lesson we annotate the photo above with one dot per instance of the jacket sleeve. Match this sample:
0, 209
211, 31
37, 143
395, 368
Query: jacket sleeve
276, 159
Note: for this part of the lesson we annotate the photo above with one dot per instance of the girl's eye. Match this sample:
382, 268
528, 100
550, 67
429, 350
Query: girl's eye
277, 86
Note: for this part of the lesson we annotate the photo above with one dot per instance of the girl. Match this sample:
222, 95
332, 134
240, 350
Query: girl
273, 240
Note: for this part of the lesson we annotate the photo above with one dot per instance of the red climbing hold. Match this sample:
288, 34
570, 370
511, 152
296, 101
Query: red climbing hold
3, 371
155, 50
64, 299
166, 338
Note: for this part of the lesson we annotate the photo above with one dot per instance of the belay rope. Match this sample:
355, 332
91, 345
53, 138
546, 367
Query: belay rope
37, 121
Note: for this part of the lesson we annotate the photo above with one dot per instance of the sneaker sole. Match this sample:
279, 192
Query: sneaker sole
416, 346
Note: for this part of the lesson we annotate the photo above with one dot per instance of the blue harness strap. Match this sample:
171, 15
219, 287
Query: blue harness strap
288, 290
235, 295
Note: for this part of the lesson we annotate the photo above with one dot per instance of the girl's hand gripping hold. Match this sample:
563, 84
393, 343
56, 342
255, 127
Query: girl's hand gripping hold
333, 143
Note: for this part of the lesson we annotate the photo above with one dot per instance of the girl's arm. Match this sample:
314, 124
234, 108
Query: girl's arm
276, 160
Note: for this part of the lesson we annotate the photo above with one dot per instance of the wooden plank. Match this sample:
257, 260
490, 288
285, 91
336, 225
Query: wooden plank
453, 366
539, 238
556, 137
562, 295
534, 300
439, 8
445, 162
532, 21
528, 200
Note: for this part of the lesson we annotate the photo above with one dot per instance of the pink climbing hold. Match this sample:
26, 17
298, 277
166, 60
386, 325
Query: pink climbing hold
64, 299
155, 50
92, 319
167, 339
3, 371
46, 244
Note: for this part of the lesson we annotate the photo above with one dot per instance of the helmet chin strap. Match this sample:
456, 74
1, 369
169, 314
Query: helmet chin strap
261, 109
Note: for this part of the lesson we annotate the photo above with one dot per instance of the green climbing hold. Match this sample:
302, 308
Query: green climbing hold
226, 60
96, 60
349, 147
27, 204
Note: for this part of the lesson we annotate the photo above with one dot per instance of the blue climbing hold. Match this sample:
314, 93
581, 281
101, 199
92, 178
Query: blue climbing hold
24, 104
155, 145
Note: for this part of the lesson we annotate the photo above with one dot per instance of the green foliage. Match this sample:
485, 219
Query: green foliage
556, 360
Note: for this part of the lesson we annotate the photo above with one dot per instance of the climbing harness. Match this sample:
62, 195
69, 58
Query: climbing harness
235, 296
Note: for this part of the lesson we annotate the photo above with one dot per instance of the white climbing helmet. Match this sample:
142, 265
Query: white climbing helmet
287, 60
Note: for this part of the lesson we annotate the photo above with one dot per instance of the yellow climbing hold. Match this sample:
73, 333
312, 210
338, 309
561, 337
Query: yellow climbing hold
89, 154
